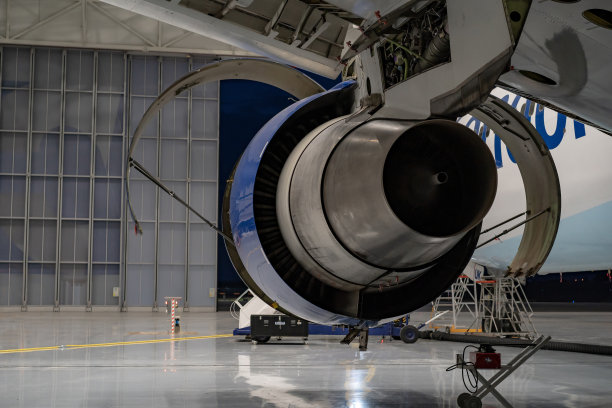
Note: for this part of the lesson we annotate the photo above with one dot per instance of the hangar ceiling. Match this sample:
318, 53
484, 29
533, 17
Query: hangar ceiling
93, 24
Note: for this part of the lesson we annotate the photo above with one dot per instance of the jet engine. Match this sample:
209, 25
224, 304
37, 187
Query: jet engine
346, 219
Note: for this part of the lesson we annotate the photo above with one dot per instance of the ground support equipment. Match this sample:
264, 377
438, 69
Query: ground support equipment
391, 330
474, 400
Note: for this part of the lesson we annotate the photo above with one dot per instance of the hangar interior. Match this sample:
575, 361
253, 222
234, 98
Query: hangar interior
83, 313
66, 114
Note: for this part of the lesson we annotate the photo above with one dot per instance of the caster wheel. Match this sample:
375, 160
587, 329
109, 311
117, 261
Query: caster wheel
472, 402
261, 339
409, 334
462, 398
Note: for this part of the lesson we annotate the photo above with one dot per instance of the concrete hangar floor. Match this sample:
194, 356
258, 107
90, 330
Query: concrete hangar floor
100, 359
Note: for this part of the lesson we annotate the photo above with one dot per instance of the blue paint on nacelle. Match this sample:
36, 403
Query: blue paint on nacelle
241, 199
242, 215
242, 218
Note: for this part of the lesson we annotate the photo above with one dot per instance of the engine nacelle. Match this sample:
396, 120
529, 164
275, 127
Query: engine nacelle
340, 220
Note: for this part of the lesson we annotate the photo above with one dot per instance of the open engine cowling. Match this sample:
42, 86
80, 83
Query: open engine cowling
344, 220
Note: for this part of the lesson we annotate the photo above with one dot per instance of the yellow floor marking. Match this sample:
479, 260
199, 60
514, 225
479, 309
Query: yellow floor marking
162, 332
114, 344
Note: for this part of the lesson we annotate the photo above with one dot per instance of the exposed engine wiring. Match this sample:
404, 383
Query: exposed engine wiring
420, 42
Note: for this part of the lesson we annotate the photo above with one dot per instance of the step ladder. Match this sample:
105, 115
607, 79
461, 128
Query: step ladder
460, 302
503, 307
482, 302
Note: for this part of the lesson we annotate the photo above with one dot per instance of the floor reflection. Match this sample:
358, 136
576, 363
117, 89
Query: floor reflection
226, 372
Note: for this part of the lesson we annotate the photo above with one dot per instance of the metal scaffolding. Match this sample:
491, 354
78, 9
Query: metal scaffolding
484, 303
504, 308
460, 301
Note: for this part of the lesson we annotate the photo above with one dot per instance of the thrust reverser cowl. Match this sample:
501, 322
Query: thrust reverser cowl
339, 221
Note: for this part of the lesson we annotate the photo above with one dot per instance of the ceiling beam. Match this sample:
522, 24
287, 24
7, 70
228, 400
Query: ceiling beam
122, 24
177, 39
42, 22
270, 26
231, 34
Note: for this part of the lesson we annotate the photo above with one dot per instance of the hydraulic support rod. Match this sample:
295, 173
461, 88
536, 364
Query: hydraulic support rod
504, 232
133, 163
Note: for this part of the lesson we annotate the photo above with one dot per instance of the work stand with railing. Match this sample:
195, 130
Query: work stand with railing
484, 303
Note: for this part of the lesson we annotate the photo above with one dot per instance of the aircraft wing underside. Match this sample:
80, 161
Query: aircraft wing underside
561, 59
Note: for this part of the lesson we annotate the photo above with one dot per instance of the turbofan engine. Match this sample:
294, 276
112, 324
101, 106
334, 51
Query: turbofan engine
345, 219
351, 217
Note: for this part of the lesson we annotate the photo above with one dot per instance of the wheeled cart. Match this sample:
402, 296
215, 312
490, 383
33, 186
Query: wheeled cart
474, 400
263, 327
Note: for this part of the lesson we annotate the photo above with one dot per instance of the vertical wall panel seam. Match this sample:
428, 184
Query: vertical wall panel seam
92, 179
10, 266
127, 71
157, 195
188, 188
216, 240
60, 182
26, 232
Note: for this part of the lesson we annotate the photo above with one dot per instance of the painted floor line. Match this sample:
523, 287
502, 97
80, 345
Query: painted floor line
113, 344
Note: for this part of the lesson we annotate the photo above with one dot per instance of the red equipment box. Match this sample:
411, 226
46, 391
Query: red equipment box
485, 360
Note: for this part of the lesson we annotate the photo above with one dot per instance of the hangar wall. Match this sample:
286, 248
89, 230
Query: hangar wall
64, 236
